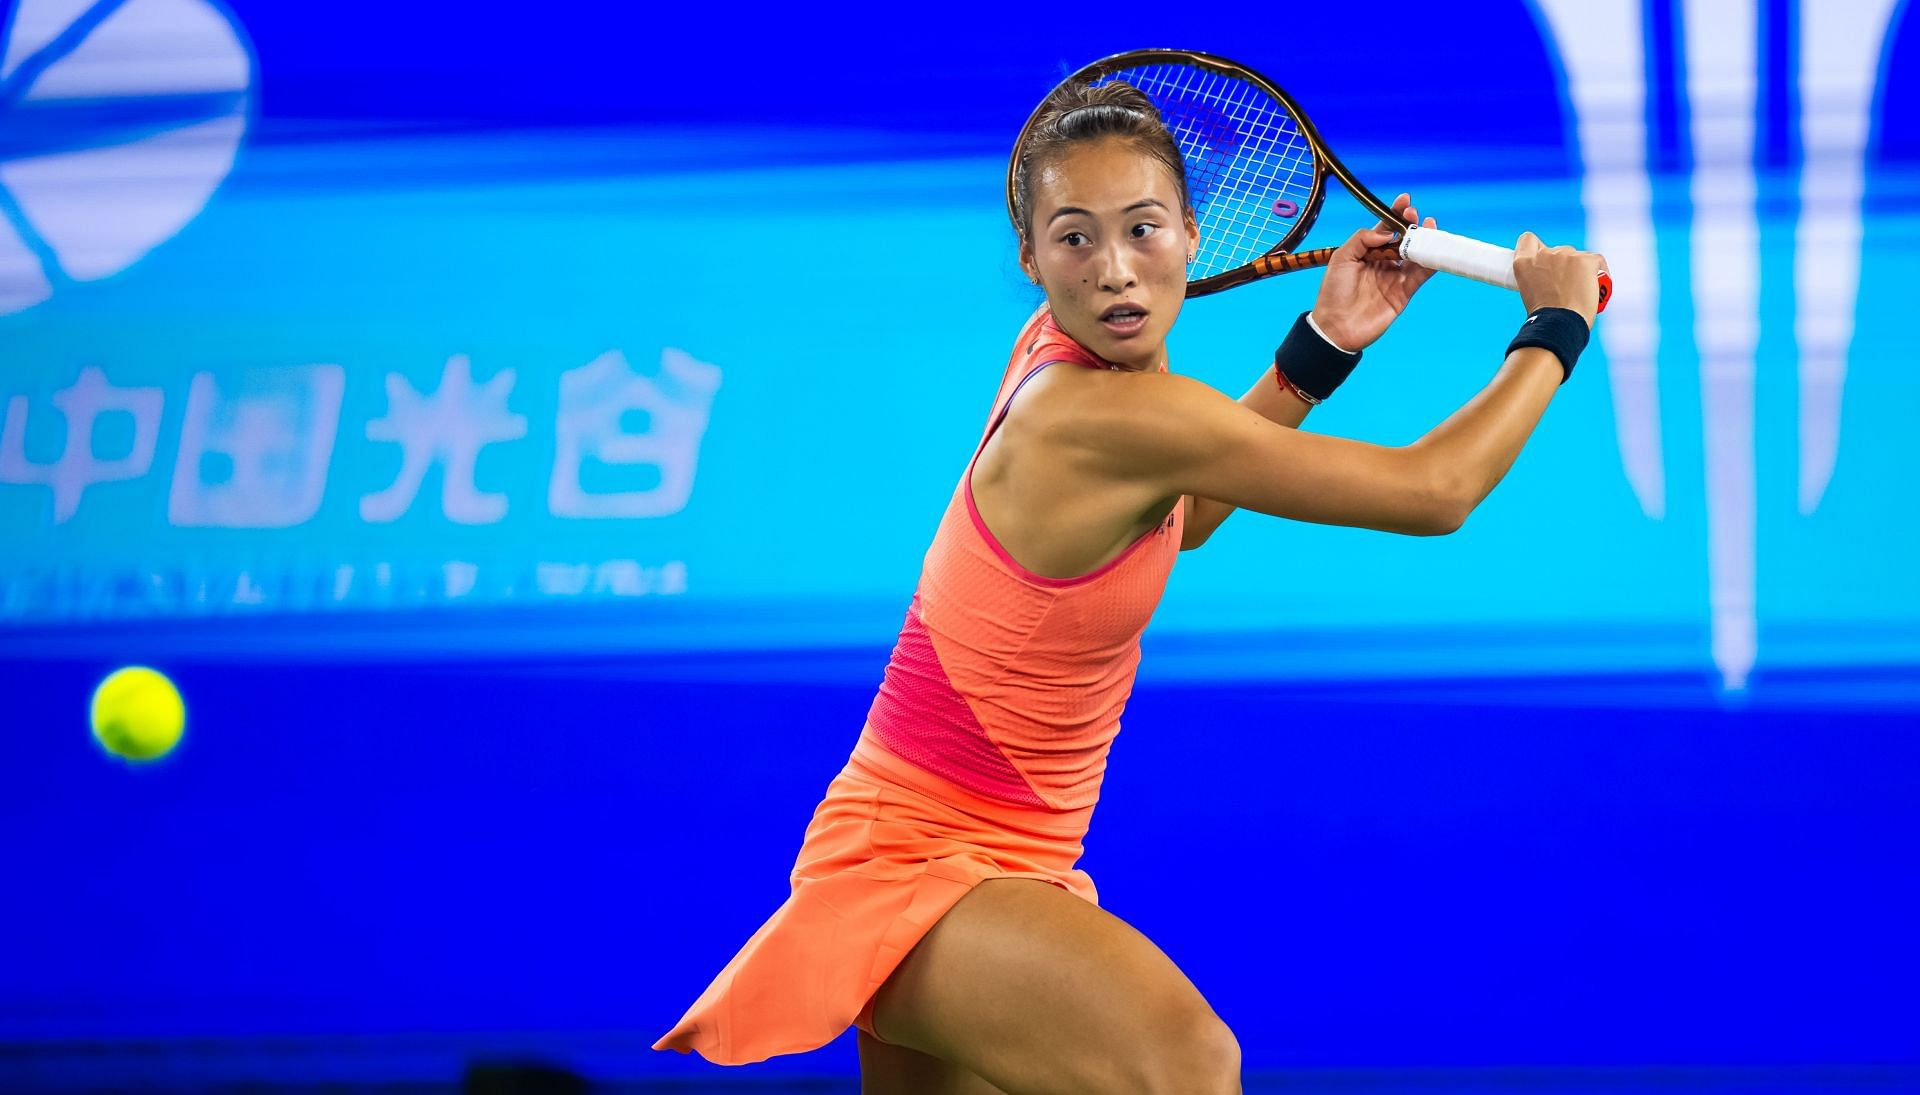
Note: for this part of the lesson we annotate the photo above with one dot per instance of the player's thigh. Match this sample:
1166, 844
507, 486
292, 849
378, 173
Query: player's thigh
897, 1070
1038, 991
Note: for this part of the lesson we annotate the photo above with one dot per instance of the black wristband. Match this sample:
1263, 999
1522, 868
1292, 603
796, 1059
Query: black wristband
1311, 364
1562, 330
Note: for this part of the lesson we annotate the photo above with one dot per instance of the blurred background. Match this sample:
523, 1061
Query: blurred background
516, 430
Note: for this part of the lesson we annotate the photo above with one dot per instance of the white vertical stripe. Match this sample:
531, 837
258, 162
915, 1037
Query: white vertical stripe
1600, 46
1839, 60
1722, 74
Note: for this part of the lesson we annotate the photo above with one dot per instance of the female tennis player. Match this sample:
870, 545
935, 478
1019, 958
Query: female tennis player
983, 753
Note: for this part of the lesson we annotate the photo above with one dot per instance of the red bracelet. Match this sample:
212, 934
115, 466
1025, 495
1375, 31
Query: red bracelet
1288, 386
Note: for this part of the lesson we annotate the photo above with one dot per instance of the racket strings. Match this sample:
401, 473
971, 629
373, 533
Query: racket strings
1250, 171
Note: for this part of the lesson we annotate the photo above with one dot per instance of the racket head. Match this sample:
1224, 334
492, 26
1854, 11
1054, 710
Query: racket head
1256, 169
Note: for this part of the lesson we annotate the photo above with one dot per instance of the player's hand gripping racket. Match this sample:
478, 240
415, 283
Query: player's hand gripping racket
1257, 171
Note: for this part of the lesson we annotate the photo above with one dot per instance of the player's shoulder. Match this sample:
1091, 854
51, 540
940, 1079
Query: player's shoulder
1103, 408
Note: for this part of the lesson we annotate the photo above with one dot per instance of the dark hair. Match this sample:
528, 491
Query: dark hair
1078, 112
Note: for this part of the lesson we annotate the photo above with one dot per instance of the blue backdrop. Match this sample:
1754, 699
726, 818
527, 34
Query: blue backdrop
516, 431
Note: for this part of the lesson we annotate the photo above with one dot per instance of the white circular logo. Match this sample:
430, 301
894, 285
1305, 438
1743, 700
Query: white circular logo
120, 118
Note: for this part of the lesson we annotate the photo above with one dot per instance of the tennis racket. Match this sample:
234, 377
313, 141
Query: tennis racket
1257, 173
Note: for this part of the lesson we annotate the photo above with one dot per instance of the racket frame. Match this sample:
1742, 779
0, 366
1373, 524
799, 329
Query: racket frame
1280, 258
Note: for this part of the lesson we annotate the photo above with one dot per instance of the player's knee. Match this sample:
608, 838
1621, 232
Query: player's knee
1196, 1055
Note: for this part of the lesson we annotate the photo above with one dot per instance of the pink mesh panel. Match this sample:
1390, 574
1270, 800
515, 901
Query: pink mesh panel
919, 716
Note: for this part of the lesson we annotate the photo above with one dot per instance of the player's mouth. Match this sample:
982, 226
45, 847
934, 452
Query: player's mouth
1124, 319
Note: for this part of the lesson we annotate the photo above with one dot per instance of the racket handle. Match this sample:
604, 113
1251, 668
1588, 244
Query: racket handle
1469, 258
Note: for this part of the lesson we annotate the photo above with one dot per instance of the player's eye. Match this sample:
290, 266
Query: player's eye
1144, 229
1072, 239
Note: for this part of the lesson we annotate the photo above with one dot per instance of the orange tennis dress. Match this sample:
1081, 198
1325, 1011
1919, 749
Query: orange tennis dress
981, 757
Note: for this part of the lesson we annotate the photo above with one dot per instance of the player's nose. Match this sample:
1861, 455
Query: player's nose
1116, 269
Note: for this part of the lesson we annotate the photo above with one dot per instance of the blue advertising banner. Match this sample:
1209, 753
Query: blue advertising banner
517, 430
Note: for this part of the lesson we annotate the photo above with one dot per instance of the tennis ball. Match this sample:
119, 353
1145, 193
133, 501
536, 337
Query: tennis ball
137, 713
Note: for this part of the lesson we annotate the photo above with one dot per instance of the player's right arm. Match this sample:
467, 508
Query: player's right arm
1174, 435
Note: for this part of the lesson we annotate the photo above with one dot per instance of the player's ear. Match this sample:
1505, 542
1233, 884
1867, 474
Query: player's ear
1027, 265
1193, 234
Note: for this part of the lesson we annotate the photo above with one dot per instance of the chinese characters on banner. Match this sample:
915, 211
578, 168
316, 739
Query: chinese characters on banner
256, 448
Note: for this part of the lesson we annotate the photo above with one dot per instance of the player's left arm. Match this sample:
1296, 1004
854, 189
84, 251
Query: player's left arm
1365, 288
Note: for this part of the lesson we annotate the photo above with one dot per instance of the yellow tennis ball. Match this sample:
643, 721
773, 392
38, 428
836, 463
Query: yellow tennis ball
138, 713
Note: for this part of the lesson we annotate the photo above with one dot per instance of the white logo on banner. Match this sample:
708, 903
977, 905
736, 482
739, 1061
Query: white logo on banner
256, 444
1602, 47
123, 116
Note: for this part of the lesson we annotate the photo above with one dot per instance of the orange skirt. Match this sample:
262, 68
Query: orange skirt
890, 849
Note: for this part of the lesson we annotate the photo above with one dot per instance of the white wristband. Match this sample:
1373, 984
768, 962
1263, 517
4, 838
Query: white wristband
1325, 339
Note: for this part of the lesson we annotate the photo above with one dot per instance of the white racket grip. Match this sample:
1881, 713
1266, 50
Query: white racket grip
1462, 255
